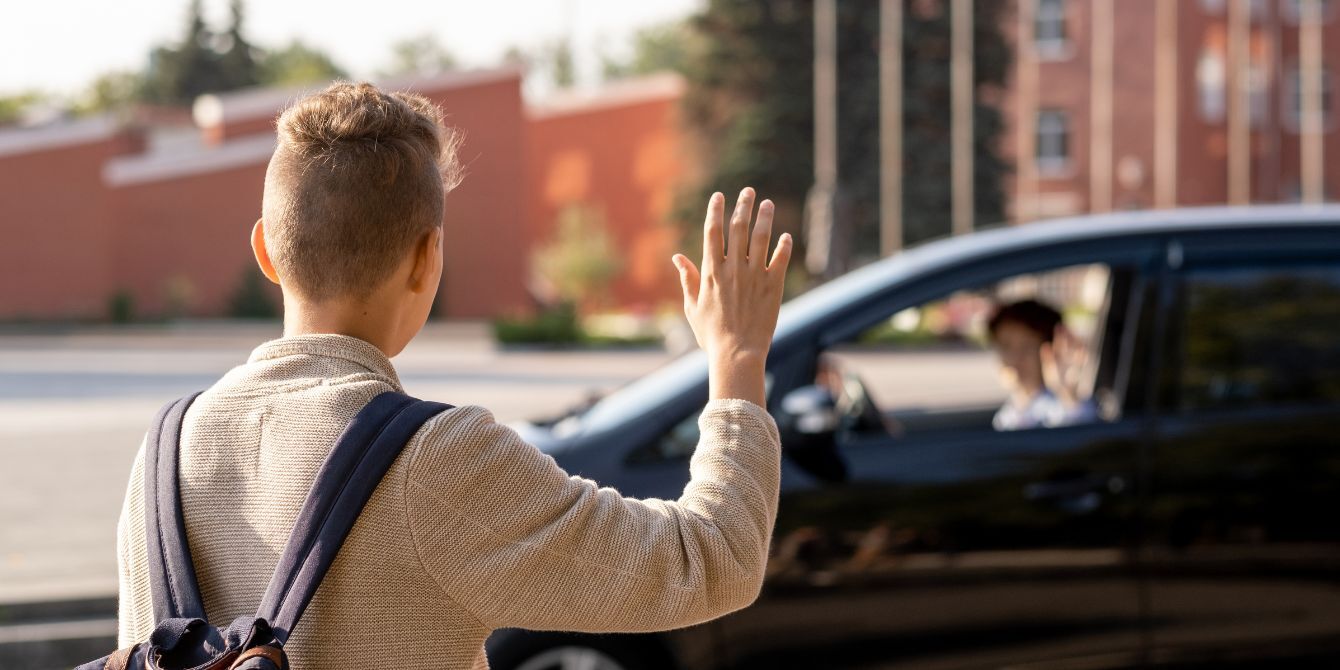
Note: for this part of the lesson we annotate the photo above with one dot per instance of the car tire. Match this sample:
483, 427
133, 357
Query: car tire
527, 650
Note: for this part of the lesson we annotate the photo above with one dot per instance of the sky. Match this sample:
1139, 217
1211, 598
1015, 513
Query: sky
60, 46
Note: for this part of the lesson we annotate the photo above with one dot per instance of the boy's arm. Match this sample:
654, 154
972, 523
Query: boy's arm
517, 542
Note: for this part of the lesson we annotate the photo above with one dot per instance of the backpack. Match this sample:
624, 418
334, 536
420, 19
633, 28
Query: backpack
182, 637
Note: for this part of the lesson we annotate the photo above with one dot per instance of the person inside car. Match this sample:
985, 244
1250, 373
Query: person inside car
1040, 365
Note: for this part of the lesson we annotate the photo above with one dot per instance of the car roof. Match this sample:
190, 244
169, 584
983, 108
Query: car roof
1000, 239
818, 303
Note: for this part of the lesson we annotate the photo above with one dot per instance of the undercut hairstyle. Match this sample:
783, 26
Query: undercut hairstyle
1030, 314
357, 178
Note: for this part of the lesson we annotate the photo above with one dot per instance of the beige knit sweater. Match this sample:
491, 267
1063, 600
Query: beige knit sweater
472, 529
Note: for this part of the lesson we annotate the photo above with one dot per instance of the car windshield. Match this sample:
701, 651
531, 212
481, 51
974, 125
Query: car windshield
646, 392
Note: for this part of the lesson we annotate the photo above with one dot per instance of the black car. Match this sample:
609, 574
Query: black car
1192, 524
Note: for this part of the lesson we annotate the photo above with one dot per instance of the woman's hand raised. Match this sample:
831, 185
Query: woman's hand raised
732, 302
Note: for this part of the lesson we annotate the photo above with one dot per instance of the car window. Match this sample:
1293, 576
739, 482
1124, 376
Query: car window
937, 366
1260, 336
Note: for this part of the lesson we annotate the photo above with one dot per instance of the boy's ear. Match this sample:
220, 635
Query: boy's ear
262, 255
426, 253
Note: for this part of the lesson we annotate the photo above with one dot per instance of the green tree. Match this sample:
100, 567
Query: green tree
562, 67
655, 49
13, 106
238, 66
750, 102
203, 62
298, 64
421, 54
581, 260
251, 298
110, 92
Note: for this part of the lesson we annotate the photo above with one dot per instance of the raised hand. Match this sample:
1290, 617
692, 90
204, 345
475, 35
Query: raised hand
1063, 363
732, 303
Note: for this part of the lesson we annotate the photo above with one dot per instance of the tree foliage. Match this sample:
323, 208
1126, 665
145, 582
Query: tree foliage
659, 48
750, 103
297, 64
420, 54
204, 61
110, 92
12, 106
581, 259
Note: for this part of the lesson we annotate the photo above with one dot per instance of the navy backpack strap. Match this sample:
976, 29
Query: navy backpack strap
171, 573
362, 455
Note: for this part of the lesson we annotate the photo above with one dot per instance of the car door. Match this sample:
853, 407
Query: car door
938, 541
1243, 554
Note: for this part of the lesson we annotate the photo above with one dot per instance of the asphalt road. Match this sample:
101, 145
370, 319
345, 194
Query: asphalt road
74, 407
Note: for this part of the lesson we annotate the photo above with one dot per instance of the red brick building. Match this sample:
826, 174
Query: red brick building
619, 152
161, 209
1162, 103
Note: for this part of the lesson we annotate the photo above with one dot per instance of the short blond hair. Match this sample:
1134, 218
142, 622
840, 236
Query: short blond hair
358, 176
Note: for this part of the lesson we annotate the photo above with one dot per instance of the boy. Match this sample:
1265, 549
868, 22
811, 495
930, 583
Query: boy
471, 529
1040, 375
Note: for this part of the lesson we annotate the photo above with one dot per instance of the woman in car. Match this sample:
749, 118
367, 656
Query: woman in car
1040, 360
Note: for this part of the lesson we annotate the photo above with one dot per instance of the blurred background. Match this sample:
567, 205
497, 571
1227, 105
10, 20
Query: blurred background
134, 138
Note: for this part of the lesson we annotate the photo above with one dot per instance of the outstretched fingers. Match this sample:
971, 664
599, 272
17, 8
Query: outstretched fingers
738, 251
781, 257
714, 244
689, 278
762, 236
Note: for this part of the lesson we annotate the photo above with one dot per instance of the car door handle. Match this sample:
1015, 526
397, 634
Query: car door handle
1077, 495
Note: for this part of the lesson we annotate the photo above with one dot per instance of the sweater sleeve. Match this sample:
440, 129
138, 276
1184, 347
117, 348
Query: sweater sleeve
517, 542
132, 580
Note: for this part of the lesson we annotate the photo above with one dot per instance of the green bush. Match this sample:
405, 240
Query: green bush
250, 300
121, 307
555, 325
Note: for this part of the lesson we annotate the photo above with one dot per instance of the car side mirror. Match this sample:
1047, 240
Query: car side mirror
808, 421
810, 410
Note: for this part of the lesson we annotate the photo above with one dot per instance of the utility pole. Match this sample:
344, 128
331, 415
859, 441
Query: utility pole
1310, 73
890, 127
1239, 102
1165, 105
1026, 115
821, 226
1100, 109
961, 140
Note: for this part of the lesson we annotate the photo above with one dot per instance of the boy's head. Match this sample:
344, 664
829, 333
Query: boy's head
1018, 331
354, 198
358, 176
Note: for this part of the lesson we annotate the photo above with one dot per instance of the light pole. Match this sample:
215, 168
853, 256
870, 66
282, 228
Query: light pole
819, 204
961, 115
1310, 73
890, 127
1239, 105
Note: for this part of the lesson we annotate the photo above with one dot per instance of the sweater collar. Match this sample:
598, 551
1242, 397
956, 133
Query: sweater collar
332, 345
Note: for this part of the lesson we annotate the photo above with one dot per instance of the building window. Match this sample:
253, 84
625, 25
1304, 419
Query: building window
1212, 76
1258, 79
1053, 142
1049, 33
1293, 99
1293, 10
1258, 9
